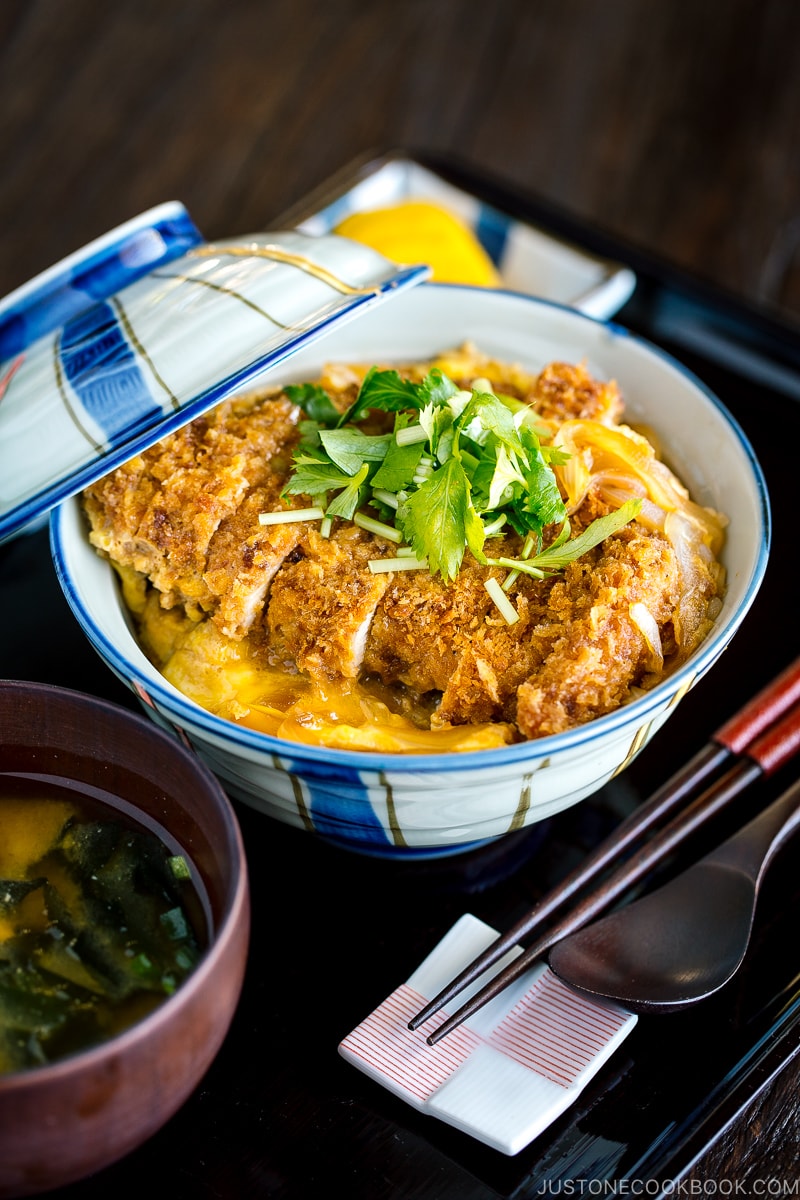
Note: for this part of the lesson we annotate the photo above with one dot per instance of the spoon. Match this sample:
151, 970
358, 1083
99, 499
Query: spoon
684, 941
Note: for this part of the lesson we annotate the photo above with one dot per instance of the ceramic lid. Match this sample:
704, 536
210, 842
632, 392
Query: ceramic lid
147, 328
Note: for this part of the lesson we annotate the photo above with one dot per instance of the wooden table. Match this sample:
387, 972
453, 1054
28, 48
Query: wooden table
671, 123
669, 127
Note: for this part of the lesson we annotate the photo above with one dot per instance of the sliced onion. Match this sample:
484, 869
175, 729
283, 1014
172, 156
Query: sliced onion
618, 464
615, 488
647, 625
575, 475
688, 536
623, 449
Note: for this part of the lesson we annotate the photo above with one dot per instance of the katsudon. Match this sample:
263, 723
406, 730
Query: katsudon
448, 555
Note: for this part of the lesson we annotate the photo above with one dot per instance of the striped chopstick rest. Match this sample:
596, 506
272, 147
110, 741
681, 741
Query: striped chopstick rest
508, 1071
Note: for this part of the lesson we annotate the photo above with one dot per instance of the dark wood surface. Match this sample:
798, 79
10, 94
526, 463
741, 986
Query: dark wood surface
672, 125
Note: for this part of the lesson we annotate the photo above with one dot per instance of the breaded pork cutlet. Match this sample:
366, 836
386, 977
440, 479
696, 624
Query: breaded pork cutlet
322, 604
572, 655
185, 512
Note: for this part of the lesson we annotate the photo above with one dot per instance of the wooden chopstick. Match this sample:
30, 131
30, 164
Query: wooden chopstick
754, 735
762, 758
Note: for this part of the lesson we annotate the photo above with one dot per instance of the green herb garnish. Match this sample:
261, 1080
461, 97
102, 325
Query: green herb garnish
458, 466
179, 867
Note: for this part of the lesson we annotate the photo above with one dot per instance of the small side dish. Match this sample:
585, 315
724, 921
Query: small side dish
119, 978
421, 210
456, 554
99, 921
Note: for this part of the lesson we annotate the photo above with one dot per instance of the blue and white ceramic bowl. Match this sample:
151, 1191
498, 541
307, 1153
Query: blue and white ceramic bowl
428, 805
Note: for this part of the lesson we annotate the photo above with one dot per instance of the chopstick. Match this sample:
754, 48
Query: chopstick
760, 738
762, 758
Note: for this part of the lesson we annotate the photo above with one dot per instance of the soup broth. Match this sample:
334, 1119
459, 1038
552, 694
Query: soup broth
101, 919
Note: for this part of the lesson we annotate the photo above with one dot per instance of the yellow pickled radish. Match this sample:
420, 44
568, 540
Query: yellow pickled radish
416, 231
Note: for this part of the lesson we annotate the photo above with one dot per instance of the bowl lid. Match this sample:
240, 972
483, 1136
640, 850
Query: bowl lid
150, 326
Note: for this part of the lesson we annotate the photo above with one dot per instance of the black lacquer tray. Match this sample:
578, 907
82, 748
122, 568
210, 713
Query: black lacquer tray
280, 1114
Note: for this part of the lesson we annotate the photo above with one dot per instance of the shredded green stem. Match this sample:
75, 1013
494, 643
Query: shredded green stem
526, 552
287, 515
403, 562
387, 498
378, 527
514, 564
410, 435
501, 600
495, 526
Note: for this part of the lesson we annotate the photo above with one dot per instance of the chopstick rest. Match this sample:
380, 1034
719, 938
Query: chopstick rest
510, 1070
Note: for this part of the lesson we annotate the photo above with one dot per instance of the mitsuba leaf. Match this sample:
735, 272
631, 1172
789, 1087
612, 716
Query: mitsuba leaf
435, 518
312, 476
555, 455
309, 434
437, 421
349, 448
481, 480
314, 401
487, 465
384, 390
436, 388
474, 531
543, 500
506, 478
397, 469
494, 418
559, 554
347, 501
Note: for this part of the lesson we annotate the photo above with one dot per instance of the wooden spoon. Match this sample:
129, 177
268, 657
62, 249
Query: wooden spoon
684, 941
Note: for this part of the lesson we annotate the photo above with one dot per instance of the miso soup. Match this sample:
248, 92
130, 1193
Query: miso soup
101, 919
